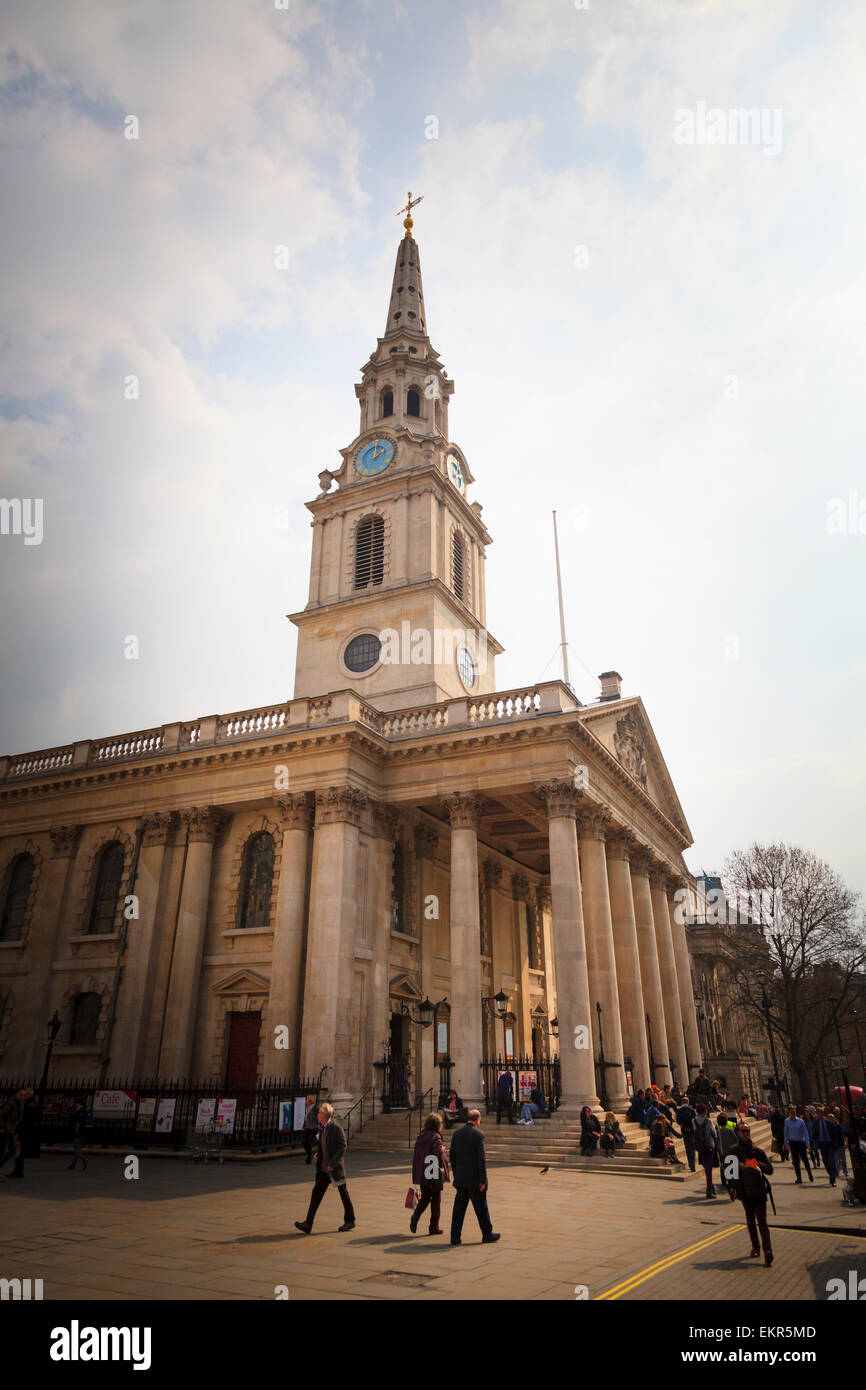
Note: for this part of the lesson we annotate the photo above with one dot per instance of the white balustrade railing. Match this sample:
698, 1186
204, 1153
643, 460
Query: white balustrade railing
28, 764
271, 719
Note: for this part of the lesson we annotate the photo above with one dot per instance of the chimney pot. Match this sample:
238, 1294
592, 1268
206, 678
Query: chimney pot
611, 685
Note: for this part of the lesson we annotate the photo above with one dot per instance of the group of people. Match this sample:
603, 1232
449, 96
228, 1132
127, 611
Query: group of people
19, 1128
465, 1165
812, 1131
530, 1110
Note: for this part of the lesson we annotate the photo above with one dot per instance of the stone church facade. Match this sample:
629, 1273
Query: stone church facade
277, 890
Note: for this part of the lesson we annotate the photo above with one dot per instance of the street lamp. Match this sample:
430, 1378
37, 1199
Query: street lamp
765, 1005
859, 1043
426, 1010
501, 1002
53, 1027
858, 1171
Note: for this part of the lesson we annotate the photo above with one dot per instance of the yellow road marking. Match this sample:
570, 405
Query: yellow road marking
628, 1284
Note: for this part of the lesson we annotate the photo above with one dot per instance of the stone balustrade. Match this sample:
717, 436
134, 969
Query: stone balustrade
343, 706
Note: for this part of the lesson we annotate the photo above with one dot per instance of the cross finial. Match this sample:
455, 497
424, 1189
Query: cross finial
410, 204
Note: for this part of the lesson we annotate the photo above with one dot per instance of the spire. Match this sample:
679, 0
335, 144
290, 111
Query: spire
406, 311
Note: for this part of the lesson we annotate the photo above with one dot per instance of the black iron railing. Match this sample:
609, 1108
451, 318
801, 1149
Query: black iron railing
153, 1112
529, 1073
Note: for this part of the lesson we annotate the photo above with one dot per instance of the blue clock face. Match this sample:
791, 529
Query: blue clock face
455, 473
374, 457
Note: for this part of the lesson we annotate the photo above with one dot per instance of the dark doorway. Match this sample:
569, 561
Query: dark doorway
397, 1078
242, 1062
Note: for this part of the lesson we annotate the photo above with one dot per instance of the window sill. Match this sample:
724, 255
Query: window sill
249, 931
77, 1049
96, 936
10, 945
403, 936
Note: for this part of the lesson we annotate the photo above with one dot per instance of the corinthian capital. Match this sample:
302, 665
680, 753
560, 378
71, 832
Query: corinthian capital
620, 844
659, 876
294, 810
542, 896
492, 873
203, 823
592, 822
642, 860
64, 840
463, 809
520, 888
159, 827
383, 820
426, 841
335, 804
560, 796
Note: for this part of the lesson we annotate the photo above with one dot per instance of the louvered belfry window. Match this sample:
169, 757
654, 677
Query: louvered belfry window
369, 552
109, 875
457, 564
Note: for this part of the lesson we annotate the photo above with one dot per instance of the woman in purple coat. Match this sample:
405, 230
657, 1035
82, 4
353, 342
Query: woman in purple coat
429, 1172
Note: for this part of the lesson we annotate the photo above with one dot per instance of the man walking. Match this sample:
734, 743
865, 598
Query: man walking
80, 1120
469, 1168
797, 1140
505, 1096
329, 1168
825, 1138
752, 1164
686, 1117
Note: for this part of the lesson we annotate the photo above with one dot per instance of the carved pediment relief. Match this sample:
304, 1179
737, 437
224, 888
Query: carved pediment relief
402, 986
629, 743
242, 982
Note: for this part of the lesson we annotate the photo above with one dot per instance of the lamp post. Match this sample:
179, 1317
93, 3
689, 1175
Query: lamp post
859, 1043
857, 1167
653, 1062
765, 1005
54, 1025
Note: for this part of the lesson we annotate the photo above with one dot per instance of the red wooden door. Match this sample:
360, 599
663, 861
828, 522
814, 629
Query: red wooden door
243, 1053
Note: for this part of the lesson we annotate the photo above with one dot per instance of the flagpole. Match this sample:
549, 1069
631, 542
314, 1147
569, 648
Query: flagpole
561, 611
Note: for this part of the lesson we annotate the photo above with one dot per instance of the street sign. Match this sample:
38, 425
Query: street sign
839, 1063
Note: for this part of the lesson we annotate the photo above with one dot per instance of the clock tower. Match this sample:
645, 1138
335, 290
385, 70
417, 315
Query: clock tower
396, 606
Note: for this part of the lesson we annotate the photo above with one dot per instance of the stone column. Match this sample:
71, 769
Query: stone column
466, 1048
667, 965
676, 913
491, 873
628, 977
135, 996
520, 894
569, 947
650, 975
383, 828
591, 830
43, 945
326, 1031
426, 842
295, 813
202, 824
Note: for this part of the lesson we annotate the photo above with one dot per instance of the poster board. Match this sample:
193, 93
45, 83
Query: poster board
225, 1118
165, 1115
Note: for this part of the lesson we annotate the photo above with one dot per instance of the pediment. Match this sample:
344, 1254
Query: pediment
403, 987
242, 982
624, 729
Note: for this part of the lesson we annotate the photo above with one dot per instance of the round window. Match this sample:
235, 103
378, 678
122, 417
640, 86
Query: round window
466, 667
362, 652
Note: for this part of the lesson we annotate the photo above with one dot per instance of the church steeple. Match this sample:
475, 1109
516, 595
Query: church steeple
406, 311
398, 548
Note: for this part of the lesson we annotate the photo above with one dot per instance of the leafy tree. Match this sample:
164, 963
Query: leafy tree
808, 954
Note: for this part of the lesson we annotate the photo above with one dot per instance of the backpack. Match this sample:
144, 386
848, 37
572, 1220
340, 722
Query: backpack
686, 1121
753, 1182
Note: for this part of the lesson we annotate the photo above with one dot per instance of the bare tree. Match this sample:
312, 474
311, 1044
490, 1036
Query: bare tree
808, 951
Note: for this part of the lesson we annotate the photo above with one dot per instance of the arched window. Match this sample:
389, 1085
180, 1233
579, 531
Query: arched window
388, 402
16, 896
109, 873
85, 1018
413, 401
257, 881
457, 563
398, 884
369, 552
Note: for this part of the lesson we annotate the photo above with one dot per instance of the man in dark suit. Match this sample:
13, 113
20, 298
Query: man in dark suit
469, 1169
329, 1168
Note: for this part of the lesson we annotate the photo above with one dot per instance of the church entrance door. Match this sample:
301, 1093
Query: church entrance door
242, 1063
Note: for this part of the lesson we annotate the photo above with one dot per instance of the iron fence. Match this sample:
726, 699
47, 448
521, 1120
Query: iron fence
138, 1112
529, 1073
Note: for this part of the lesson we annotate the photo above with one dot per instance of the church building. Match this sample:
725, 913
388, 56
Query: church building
399, 862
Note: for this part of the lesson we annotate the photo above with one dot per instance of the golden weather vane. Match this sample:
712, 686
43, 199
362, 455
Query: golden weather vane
411, 203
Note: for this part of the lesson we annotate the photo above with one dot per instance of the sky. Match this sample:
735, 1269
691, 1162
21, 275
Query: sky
652, 311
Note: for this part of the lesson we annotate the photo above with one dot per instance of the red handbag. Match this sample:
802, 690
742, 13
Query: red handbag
411, 1199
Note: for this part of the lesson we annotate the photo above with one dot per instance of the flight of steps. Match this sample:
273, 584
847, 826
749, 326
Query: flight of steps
555, 1142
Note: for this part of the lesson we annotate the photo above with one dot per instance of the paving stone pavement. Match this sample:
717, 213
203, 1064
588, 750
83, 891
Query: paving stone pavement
191, 1231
